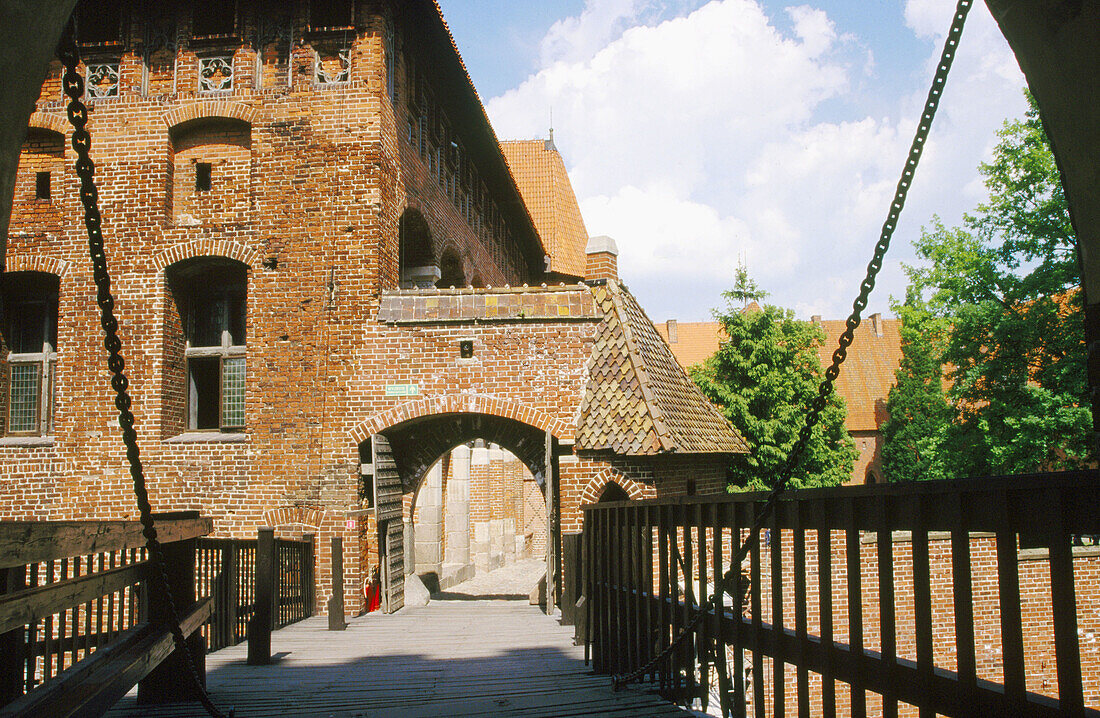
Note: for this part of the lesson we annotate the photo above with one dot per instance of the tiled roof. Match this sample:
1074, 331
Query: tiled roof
639, 401
865, 377
540, 174
695, 341
868, 373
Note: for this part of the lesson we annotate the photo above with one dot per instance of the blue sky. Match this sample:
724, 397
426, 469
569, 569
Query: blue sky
697, 133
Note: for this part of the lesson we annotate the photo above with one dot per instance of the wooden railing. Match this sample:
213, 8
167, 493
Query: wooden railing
955, 598
226, 571
79, 625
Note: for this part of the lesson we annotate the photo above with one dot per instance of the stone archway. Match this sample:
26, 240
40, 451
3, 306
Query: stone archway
461, 510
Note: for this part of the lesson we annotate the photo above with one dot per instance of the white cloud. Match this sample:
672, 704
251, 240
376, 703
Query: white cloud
696, 138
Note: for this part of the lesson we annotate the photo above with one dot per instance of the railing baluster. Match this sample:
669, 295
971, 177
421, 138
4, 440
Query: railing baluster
1063, 596
855, 608
754, 590
922, 598
824, 519
687, 650
738, 703
1008, 584
799, 557
703, 638
779, 669
719, 517
650, 605
956, 508
887, 623
665, 594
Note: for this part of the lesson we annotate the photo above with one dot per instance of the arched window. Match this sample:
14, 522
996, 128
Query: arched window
451, 271
418, 268
211, 296
871, 477
30, 341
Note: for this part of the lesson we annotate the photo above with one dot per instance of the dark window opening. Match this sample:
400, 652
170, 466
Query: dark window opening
42, 185
99, 21
329, 14
204, 390
689, 489
466, 349
203, 176
213, 17
211, 296
30, 333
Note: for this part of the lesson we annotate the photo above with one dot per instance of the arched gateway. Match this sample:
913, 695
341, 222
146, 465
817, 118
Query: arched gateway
574, 381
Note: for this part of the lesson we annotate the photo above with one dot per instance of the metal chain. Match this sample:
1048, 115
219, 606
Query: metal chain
818, 406
73, 85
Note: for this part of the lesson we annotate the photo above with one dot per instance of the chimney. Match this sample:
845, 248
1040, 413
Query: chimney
815, 319
876, 324
603, 260
670, 327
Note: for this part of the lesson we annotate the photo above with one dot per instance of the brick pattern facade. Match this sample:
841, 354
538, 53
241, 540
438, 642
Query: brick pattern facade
309, 180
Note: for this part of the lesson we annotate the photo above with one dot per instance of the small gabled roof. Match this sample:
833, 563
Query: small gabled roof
540, 174
639, 400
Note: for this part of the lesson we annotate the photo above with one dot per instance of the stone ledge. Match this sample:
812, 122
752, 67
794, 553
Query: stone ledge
27, 441
207, 437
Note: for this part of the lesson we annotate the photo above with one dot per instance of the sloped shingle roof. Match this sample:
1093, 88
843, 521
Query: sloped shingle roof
639, 400
540, 174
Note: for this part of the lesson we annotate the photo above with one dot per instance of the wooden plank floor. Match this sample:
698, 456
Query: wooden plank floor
450, 658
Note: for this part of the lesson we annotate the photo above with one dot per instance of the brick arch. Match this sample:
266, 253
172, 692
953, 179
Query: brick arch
46, 121
595, 486
206, 248
462, 404
209, 109
37, 263
304, 517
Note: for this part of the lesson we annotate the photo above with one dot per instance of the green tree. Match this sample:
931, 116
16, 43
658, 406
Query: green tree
764, 376
917, 407
1007, 284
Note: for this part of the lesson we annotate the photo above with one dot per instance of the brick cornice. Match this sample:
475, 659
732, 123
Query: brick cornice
594, 487
36, 263
205, 248
209, 108
462, 404
46, 121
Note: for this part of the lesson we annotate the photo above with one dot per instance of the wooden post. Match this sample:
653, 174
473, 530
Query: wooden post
170, 682
336, 603
308, 587
259, 627
551, 556
231, 569
13, 649
570, 554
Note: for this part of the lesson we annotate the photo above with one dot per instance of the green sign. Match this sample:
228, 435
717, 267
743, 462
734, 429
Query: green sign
402, 390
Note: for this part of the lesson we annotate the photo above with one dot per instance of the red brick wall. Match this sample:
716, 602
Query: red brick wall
309, 183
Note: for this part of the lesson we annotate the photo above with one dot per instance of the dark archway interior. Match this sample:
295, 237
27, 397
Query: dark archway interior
613, 492
451, 272
415, 241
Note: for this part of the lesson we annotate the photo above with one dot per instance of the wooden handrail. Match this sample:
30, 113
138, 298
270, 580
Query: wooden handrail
24, 542
33, 604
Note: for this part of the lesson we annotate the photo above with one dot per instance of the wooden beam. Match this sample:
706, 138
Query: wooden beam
91, 686
23, 542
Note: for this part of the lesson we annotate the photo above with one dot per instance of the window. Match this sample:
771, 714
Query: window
30, 308
211, 295
203, 176
42, 185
